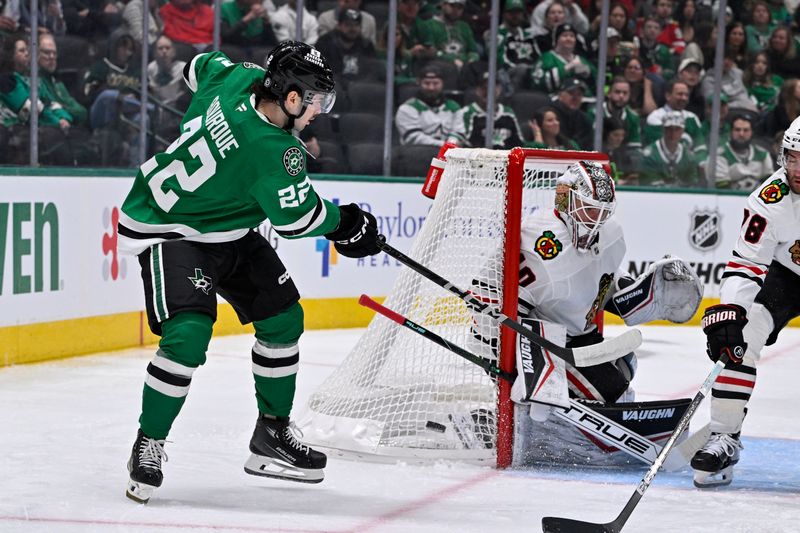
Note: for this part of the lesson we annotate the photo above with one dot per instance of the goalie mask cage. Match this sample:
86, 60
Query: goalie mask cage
399, 396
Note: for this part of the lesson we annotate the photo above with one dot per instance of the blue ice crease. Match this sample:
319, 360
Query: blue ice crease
767, 465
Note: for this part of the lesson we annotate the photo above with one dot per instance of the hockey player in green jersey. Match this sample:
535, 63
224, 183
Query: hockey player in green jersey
190, 217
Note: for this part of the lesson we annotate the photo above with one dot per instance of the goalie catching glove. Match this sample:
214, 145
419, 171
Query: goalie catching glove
357, 233
668, 290
723, 325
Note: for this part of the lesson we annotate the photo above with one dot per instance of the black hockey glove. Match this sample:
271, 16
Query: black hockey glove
723, 325
357, 233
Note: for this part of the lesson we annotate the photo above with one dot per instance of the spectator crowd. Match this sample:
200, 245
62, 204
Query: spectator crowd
659, 80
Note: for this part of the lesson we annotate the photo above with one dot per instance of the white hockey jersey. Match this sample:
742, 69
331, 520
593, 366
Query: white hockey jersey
558, 283
770, 232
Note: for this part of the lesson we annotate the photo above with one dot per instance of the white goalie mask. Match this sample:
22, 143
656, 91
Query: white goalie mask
585, 198
791, 141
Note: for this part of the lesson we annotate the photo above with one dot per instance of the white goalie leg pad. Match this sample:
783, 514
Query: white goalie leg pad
541, 377
668, 290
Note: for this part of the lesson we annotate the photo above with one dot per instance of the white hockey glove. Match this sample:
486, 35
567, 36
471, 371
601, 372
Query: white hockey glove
541, 377
668, 290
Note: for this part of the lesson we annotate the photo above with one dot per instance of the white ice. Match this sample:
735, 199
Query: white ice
66, 429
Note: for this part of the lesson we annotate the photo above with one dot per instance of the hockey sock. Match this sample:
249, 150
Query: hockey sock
276, 358
182, 349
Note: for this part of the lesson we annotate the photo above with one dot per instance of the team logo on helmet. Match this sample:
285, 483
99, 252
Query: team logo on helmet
773, 192
547, 246
795, 251
705, 233
293, 161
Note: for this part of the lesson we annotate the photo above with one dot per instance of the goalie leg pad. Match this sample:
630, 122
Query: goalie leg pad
668, 290
541, 377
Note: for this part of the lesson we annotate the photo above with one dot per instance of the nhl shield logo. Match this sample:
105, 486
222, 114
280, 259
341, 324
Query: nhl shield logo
705, 234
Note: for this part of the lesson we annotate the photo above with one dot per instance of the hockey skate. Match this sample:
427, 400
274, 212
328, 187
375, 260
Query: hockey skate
713, 463
145, 468
277, 453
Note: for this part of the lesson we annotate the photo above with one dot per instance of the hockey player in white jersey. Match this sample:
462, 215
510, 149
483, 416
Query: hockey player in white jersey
760, 293
570, 271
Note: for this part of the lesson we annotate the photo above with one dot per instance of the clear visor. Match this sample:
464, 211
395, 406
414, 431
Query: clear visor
319, 101
588, 216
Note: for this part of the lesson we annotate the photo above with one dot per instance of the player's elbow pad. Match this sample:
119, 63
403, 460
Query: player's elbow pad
668, 290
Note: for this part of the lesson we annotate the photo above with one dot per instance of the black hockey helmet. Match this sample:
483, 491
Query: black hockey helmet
297, 66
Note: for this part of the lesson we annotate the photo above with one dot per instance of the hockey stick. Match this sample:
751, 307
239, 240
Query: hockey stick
552, 524
577, 414
608, 350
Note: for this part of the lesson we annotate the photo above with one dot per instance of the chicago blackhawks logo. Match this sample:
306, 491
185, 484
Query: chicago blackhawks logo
547, 246
773, 192
200, 281
293, 161
795, 251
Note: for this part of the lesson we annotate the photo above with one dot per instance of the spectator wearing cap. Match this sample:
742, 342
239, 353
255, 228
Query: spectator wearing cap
328, 20
677, 97
284, 23
572, 15
668, 162
469, 123
426, 118
732, 85
554, 16
762, 85
452, 38
345, 48
742, 165
760, 29
690, 72
575, 123
245, 30
561, 63
516, 47
616, 106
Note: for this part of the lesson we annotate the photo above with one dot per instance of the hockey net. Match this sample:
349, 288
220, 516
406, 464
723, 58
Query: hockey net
398, 395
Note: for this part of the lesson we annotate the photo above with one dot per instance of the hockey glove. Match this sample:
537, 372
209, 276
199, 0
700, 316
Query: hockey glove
723, 325
357, 233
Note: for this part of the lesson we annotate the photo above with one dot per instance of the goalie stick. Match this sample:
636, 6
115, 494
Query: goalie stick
552, 524
577, 414
595, 354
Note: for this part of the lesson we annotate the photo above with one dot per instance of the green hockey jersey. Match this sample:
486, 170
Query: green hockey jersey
230, 169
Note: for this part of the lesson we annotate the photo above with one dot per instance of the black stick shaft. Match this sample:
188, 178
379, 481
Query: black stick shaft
566, 525
560, 351
487, 365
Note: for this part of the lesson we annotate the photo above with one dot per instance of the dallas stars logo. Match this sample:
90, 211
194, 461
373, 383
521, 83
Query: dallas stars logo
293, 161
200, 281
547, 246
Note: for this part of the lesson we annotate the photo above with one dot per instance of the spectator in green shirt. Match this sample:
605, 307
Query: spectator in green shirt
246, 32
452, 38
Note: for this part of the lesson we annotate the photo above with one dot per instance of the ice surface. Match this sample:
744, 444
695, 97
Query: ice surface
66, 429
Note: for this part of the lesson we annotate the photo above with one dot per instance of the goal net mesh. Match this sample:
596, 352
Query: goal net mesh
397, 394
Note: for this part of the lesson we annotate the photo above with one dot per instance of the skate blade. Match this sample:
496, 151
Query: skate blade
139, 492
259, 465
710, 480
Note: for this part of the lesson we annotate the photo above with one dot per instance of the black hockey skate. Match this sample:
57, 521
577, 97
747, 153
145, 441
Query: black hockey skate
277, 453
145, 468
713, 463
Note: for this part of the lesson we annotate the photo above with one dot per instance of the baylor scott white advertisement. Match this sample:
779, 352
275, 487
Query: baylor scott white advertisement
59, 260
